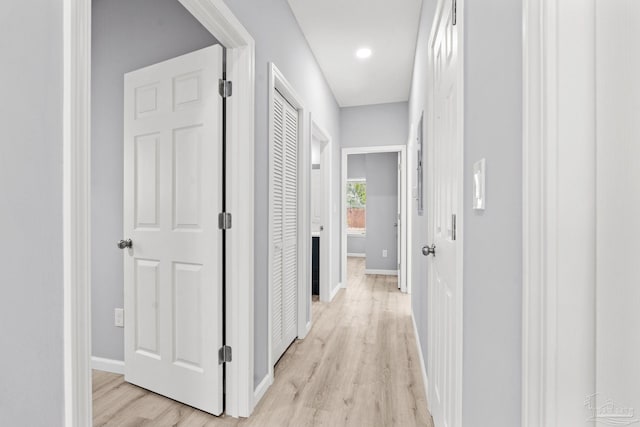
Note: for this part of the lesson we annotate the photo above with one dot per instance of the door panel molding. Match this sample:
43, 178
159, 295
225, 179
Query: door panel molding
227, 29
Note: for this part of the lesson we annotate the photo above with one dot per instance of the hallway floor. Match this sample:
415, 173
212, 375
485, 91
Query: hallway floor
358, 367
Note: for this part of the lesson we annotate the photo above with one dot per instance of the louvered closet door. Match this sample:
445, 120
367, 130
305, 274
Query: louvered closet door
285, 226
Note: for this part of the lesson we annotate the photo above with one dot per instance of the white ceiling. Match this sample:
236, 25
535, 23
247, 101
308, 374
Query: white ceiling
335, 29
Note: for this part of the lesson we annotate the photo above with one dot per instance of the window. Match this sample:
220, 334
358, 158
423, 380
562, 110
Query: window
356, 206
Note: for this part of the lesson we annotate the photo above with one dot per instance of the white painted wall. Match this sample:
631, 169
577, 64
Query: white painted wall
31, 277
126, 35
280, 40
493, 242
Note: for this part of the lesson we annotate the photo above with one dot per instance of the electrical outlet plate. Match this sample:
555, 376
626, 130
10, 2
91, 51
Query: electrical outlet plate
384, 253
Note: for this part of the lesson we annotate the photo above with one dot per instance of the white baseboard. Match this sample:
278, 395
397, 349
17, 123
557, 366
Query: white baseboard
107, 365
262, 388
382, 272
423, 366
357, 255
334, 291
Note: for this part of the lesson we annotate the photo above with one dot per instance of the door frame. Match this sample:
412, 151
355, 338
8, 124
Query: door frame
403, 177
559, 177
326, 248
216, 17
277, 81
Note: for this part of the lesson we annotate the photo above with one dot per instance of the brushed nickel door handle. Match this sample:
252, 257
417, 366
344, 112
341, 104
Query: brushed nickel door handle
123, 244
429, 250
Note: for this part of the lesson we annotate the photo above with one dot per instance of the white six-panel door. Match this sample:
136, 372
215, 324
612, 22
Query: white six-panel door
443, 159
618, 214
172, 197
284, 164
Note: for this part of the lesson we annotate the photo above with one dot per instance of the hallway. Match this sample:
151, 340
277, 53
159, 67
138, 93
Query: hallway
358, 366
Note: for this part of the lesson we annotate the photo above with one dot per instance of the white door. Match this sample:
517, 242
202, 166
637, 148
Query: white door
284, 176
618, 212
172, 197
444, 163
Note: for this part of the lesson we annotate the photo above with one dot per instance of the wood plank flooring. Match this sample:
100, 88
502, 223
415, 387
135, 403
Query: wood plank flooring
357, 367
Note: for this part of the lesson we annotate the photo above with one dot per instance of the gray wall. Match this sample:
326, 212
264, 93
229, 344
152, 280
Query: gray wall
357, 166
382, 209
492, 239
127, 35
357, 244
374, 125
280, 40
31, 306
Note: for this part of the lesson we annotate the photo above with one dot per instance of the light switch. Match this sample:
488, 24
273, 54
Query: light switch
479, 196
118, 315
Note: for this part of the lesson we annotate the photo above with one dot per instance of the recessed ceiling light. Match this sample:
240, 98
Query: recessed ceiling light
363, 53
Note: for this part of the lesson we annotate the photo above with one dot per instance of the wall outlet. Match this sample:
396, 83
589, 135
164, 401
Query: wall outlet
118, 317
384, 253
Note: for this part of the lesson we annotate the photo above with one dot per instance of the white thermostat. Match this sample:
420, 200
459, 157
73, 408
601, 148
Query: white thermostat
479, 197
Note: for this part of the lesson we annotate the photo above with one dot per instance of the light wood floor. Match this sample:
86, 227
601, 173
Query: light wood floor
357, 367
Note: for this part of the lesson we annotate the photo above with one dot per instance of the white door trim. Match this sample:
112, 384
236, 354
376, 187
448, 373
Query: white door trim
558, 366
402, 150
225, 27
326, 244
277, 81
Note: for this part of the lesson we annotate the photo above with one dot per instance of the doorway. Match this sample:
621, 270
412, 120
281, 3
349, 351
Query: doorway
383, 236
221, 23
321, 218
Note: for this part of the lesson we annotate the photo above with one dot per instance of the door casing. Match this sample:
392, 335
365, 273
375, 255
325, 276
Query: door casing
227, 29
326, 242
559, 178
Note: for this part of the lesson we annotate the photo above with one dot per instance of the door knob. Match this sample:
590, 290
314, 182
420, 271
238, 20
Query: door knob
429, 250
123, 244
322, 228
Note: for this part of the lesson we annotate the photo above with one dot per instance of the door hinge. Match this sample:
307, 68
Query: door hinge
454, 12
224, 354
224, 221
225, 88
453, 227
